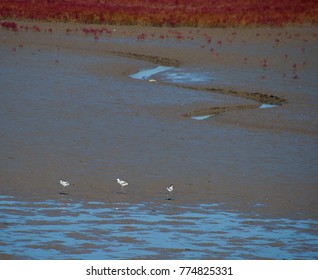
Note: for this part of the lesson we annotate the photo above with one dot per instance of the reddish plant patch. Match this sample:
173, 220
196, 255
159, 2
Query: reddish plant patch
206, 13
10, 25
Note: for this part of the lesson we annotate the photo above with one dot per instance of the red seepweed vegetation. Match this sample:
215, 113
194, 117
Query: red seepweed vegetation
9, 25
203, 13
75, 11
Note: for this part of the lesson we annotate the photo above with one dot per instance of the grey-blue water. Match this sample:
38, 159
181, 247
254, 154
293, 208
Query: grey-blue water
67, 229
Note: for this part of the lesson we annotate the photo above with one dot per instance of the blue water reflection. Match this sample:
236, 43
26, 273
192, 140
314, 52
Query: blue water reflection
147, 73
66, 229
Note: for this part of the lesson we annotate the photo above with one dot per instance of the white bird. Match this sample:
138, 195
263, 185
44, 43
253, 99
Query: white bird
170, 188
65, 184
170, 192
123, 184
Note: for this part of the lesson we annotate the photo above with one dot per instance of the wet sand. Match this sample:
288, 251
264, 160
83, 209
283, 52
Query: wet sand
70, 110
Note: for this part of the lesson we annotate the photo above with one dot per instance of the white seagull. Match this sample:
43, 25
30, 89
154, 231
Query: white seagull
123, 184
65, 184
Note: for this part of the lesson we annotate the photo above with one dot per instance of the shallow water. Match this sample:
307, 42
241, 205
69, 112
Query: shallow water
267, 106
187, 76
147, 73
68, 229
201, 118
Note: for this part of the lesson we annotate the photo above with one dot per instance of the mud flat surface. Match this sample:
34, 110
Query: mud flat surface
70, 109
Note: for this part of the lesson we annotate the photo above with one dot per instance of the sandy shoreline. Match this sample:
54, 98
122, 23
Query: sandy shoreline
131, 129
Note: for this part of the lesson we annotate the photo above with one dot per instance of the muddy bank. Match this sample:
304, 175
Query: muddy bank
255, 96
218, 110
71, 111
153, 59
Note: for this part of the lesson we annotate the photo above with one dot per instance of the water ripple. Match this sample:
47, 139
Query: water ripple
67, 229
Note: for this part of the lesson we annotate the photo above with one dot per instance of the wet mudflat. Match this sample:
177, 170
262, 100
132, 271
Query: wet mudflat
70, 109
